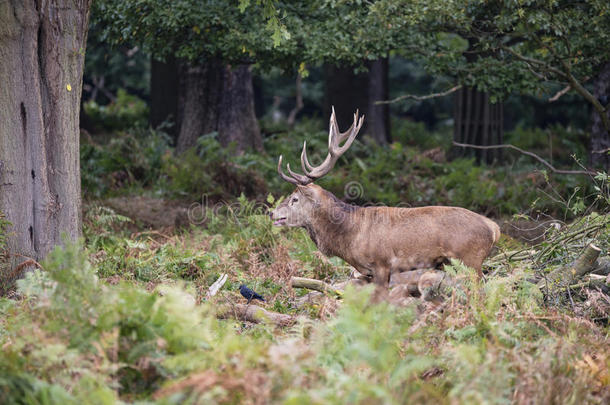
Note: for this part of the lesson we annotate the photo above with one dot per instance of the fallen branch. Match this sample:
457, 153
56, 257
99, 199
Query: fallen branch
531, 154
420, 98
317, 285
216, 286
566, 276
590, 283
254, 314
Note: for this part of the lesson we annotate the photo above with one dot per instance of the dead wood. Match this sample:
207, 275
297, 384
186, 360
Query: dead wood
565, 276
254, 314
602, 266
433, 285
213, 290
429, 284
316, 285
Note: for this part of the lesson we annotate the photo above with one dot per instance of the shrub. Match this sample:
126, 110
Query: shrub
126, 111
213, 171
131, 159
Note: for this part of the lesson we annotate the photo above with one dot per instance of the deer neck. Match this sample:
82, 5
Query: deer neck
332, 228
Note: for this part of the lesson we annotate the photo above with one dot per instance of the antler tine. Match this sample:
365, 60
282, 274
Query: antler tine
351, 133
303, 180
288, 178
344, 135
335, 138
305, 165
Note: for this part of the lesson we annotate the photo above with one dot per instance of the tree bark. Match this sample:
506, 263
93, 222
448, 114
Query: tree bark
348, 91
200, 87
567, 275
600, 138
477, 122
237, 118
215, 97
41, 70
164, 84
378, 116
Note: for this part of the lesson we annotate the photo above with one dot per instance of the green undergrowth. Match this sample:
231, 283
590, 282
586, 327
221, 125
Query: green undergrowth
91, 328
123, 317
238, 240
125, 111
409, 172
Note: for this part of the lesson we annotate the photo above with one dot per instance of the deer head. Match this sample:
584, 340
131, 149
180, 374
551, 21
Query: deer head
307, 199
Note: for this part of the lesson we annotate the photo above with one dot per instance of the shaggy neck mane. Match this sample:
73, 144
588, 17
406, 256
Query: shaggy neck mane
332, 227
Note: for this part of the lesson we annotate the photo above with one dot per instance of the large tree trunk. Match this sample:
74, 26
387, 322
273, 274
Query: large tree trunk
164, 93
378, 116
477, 122
237, 118
600, 138
215, 97
348, 91
41, 68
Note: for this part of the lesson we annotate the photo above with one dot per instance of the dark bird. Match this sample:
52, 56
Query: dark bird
249, 294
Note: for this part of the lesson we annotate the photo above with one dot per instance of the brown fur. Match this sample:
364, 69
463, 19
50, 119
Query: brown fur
379, 241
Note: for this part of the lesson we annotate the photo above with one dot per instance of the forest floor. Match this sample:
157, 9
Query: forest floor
150, 331
126, 315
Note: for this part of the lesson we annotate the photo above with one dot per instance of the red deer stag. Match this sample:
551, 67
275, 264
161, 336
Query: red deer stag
379, 241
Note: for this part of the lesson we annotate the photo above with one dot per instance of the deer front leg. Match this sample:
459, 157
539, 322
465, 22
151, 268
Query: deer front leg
381, 278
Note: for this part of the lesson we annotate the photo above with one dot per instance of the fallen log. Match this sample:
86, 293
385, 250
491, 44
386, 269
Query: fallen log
254, 314
317, 285
602, 266
435, 284
429, 284
409, 279
565, 276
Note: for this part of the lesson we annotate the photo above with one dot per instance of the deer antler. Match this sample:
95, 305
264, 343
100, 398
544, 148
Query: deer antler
335, 138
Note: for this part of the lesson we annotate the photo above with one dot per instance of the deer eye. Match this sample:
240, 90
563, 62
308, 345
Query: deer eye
295, 199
